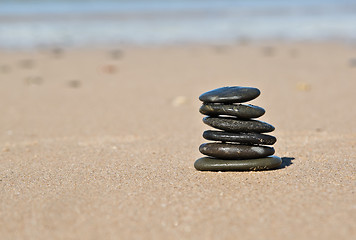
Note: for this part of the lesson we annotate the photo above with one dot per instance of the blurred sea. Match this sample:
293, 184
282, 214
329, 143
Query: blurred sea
35, 23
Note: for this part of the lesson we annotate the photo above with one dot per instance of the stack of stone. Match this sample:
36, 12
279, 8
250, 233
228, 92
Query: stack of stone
241, 144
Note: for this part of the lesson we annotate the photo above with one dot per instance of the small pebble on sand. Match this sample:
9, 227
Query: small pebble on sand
6, 149
27, 63
57, 52
352, 62
116, 54
293, 52
220, 48
4, 69
268, 51
74, 83
33, 80
243, 41
109, 69
303, 87
179, 101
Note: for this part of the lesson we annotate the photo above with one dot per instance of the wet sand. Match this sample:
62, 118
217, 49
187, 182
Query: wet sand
100, 145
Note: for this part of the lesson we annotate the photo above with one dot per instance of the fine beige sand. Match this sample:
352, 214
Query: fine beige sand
101, 145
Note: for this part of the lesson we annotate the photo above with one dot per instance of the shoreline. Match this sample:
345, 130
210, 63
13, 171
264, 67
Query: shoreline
243, 42
77, 24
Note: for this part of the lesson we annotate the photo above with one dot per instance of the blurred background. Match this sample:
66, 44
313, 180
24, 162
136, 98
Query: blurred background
36, 23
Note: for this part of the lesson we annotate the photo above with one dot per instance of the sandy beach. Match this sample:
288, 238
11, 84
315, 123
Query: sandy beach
100, 143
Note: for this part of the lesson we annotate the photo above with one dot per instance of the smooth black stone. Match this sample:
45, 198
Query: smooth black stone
237, 110
214, 164
243, 138
237, 125
230, 95
235, 151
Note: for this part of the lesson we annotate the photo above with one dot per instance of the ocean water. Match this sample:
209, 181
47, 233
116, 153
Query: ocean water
34, 23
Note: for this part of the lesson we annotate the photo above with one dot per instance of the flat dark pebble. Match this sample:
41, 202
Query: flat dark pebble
214, 164
235, 151
230, 95
236, 125
237, 110
243, 138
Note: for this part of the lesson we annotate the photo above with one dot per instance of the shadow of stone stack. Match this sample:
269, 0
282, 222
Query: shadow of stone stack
241, 144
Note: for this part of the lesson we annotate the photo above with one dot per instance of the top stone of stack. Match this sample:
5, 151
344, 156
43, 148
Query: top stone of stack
230, 95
